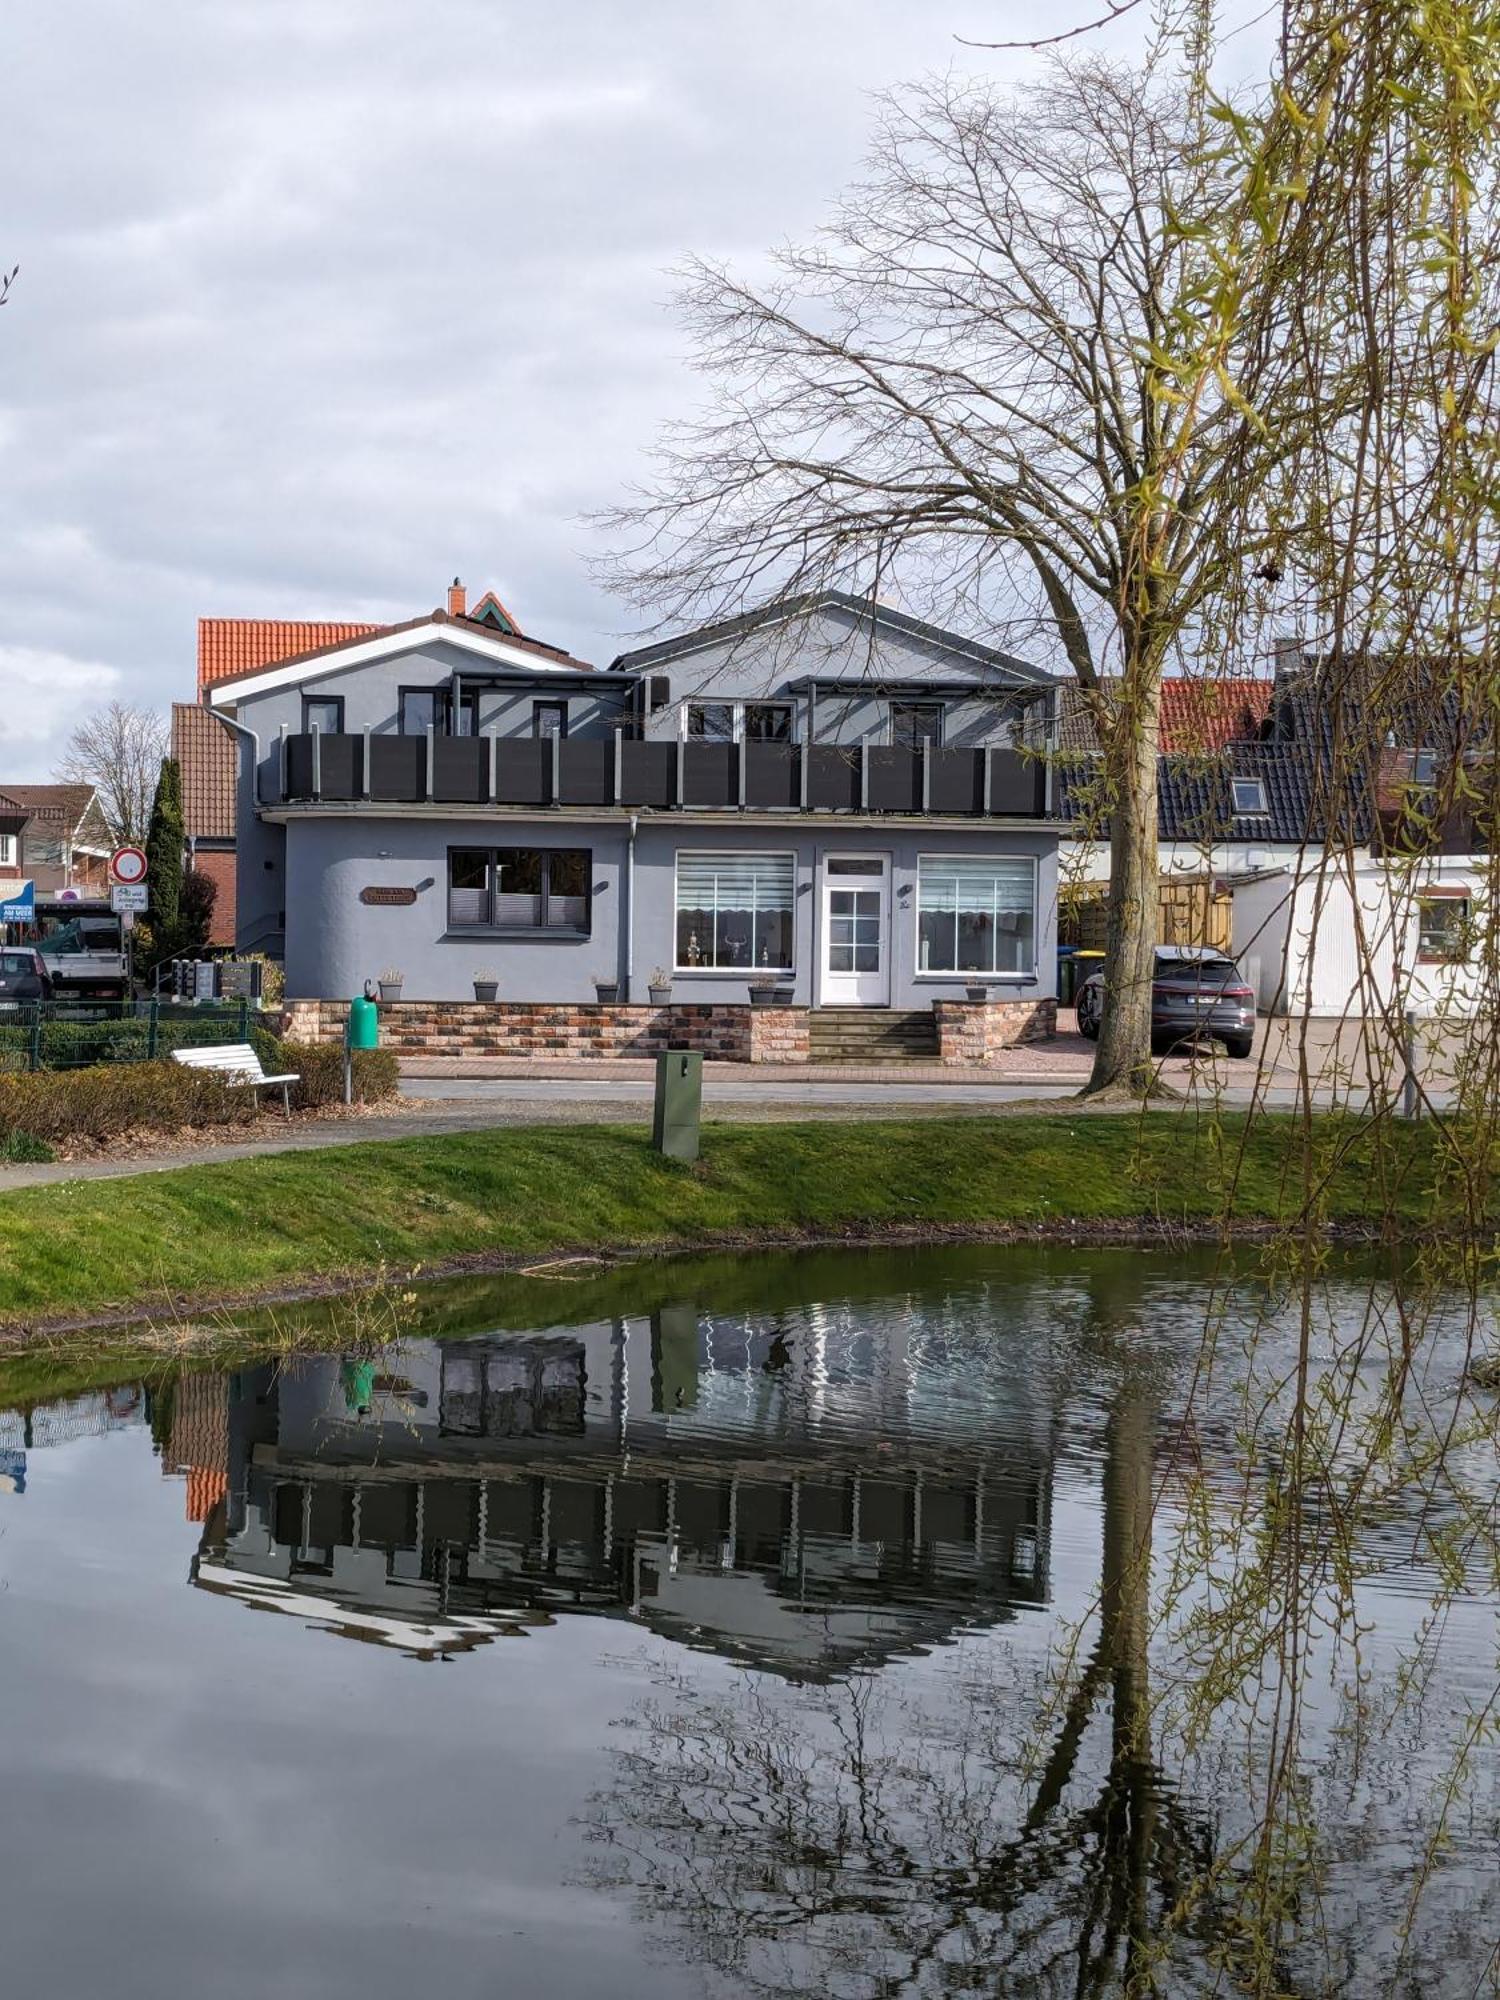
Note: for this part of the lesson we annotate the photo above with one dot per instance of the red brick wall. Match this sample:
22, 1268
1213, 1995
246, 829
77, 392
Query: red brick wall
222, 871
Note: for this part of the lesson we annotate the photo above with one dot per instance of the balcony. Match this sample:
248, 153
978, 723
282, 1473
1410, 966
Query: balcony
624, 773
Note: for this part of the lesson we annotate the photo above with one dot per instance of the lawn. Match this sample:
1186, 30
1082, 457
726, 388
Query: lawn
161, 1239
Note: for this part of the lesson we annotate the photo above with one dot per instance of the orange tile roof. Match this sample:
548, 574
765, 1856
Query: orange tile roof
228, 646
205, 751
1206, 714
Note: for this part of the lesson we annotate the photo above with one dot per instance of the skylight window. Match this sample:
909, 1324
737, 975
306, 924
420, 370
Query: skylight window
1249, 795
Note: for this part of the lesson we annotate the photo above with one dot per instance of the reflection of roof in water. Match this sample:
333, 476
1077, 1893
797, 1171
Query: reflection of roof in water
791, 1495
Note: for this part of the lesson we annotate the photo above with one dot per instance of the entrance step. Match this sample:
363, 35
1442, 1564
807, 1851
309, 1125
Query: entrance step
872, 1034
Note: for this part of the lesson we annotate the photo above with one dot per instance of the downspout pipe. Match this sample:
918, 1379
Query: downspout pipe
244, 729
630, 907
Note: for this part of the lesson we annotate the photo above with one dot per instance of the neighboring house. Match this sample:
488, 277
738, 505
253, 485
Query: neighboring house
1387, 903
55, 837
205, 754
828, 793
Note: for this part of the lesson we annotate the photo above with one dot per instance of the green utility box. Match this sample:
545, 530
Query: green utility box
363, 1031
679, 1104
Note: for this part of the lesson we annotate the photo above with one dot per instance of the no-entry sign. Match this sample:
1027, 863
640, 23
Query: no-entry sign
128, 865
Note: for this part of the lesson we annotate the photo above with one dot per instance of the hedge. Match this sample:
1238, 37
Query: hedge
76, 1044
109, 1099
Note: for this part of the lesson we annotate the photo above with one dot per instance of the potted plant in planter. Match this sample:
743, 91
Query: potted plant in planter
768, 992
606, 989
660, 987
976, 990
486, 986
390, 987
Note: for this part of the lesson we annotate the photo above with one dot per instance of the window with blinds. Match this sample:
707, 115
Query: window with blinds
519, 889
975, 914
735, 911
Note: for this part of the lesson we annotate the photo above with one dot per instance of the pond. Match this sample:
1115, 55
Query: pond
878, 1622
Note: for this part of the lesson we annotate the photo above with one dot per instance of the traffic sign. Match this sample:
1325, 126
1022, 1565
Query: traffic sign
128, 865
128, 896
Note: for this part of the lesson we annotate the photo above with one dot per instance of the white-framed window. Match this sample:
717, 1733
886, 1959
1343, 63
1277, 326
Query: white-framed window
976, 914
1444, 928
736, 721
7, 850
735, 912
1248, 794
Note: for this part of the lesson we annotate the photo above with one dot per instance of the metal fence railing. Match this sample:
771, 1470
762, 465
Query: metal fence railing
71, 1034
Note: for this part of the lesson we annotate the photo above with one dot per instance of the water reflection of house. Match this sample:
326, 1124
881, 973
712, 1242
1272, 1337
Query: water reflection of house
38, 1426
791, 1494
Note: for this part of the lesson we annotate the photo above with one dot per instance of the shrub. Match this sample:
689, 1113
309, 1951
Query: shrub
109, 1099
320, 1065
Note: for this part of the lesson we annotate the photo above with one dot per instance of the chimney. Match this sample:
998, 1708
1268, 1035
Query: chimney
458, 599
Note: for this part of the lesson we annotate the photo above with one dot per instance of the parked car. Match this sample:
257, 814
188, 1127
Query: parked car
23, 975
1197, 995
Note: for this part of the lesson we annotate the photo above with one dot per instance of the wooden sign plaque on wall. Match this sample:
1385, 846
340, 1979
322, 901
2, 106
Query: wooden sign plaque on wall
389, 896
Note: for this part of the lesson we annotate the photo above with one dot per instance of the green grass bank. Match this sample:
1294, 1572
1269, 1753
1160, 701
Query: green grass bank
163, 1241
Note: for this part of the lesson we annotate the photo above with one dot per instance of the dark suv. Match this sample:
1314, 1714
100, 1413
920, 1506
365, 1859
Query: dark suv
23, 976
1197, 995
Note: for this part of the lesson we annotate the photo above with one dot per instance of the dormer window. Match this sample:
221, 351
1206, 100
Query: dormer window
1249, 796
1423, 768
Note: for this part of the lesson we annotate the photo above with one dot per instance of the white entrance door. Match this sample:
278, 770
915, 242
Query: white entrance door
856, 930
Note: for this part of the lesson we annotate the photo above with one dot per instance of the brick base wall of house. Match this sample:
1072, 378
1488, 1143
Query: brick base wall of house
974, 1032
517, 1028
969, 1032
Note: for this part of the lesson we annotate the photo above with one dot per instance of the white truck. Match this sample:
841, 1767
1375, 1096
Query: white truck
83, 948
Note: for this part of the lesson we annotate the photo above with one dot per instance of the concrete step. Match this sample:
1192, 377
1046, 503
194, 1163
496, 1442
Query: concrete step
872, 1034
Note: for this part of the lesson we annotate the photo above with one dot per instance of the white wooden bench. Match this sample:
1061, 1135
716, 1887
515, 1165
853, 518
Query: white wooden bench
240, 1066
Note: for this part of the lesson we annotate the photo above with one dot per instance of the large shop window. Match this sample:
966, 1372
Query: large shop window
519, 889
735, 912
975, 915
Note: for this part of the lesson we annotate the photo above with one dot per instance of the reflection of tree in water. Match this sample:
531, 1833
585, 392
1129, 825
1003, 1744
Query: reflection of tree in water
842, 1843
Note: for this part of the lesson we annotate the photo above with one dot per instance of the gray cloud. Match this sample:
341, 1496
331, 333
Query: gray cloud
324, 300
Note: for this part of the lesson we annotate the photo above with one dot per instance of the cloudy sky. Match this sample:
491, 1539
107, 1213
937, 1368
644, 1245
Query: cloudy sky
324, 301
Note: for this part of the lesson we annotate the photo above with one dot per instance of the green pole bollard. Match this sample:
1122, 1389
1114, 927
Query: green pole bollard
679, 1104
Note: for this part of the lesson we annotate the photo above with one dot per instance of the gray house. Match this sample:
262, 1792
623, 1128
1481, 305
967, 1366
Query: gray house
827, 793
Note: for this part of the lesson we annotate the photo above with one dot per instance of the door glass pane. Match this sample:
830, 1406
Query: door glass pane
841, 930
852, 865
713, 721
768, 722
421, 709
841, 958
914, 722
867, 958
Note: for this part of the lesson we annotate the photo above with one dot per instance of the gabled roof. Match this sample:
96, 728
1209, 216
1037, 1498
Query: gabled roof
864, 610
479, 638
205, 752
231, 646
66, 806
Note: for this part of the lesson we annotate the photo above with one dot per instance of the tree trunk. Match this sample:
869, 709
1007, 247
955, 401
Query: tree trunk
1122, 1056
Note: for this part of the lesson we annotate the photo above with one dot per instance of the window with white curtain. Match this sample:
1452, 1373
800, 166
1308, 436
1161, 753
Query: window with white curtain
735, 911
976, 914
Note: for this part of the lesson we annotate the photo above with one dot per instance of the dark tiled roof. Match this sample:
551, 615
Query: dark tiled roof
64, 804
1195, 798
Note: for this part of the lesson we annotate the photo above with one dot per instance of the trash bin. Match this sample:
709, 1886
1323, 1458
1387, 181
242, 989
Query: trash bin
1082, 964
363, 1031
1067, 974
679, 1104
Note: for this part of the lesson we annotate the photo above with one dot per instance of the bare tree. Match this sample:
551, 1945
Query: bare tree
1030, 372
118, 750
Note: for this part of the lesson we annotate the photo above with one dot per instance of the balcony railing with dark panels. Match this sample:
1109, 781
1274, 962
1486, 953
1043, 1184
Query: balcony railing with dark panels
624, 772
